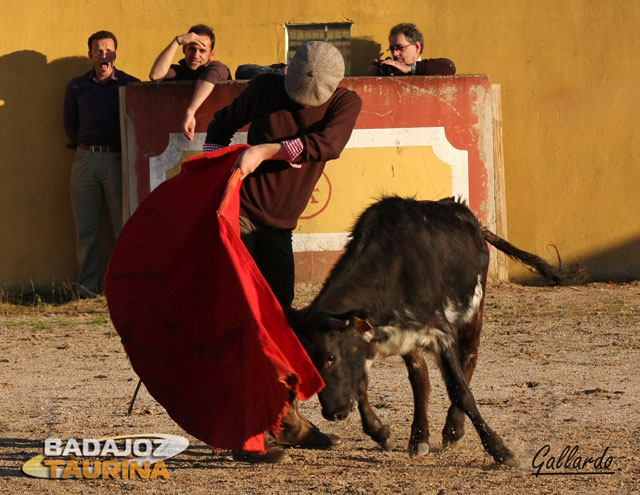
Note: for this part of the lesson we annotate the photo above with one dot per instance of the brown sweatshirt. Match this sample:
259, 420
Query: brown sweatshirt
276, 194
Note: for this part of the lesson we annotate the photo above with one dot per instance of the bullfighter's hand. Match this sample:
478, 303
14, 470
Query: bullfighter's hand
251, 158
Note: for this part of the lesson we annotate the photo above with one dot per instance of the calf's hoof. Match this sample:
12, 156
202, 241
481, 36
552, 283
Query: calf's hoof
389, 443
419, 449
450, 445
451, 437
382, 436
508, 460
385, 438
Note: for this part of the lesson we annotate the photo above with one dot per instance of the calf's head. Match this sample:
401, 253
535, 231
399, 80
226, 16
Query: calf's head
338, 347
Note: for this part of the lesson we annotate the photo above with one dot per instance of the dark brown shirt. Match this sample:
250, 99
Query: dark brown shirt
435, 67
213, 72
276, 194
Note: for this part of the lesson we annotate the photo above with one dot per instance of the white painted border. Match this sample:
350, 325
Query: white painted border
178, 143
434, 137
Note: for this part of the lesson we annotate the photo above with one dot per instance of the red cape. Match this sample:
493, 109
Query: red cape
199, 323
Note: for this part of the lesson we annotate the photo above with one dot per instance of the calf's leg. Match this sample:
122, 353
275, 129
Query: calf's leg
461, 396
371, 423
419, 379
468, 341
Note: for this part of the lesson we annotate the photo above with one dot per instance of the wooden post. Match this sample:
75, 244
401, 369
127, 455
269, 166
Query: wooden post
500, 201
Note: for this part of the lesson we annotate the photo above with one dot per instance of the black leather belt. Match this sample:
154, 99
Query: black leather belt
99, 148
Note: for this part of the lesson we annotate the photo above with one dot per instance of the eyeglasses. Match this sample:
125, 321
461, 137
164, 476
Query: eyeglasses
399, 48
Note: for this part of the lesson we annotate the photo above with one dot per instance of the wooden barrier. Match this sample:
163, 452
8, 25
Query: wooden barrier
422, 137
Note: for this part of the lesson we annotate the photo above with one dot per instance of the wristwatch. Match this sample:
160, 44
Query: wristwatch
413, 68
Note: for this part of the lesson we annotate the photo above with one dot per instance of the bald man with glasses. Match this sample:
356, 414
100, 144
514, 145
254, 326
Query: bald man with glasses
406, 44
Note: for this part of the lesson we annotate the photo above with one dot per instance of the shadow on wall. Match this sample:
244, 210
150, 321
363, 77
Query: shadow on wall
363, 51
619, 264
37, 224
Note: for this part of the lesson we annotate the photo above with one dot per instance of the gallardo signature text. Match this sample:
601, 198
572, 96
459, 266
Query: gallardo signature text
570, 462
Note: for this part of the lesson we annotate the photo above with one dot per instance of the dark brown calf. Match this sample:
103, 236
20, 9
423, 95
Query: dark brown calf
412, 279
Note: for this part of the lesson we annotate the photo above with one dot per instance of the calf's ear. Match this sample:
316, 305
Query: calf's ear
362, 325
355, 318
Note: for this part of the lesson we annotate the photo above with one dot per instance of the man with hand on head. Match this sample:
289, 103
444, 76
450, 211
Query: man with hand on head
406, 44
92, 122
297, 122
198, 64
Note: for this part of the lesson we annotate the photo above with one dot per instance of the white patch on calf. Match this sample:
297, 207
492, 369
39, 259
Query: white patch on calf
459, 315
367, 336
400, 341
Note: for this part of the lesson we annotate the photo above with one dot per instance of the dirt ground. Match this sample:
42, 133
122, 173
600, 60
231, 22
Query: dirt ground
557, 367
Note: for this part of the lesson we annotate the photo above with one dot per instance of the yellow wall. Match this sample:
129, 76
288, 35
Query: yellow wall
567, 71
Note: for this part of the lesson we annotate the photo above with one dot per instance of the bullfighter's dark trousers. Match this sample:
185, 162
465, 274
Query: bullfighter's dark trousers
272, 251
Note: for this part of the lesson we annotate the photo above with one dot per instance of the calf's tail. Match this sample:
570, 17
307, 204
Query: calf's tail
574, 275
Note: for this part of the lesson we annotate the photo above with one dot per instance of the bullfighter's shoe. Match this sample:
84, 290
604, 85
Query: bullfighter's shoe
274, 454
301, 433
